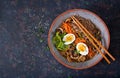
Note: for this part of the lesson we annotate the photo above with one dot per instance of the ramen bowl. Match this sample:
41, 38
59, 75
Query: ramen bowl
85, 14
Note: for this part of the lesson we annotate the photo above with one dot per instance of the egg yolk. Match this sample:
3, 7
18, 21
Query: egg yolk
81, 48
69, 38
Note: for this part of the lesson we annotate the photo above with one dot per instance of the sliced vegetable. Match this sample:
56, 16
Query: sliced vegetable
62, 35
57, 40
67, 28
91, 53
79, 40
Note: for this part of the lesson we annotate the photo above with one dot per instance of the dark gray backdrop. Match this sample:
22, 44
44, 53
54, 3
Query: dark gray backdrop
24, 26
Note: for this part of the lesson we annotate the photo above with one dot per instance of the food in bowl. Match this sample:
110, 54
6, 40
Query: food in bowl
72, 44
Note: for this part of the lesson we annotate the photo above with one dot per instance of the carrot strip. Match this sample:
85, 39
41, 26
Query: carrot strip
67, 27
79, 40
91, 53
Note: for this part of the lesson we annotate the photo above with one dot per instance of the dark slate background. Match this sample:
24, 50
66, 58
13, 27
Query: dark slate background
24, 26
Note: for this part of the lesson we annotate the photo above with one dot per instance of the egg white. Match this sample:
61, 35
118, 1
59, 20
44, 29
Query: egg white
85, 52
71, 41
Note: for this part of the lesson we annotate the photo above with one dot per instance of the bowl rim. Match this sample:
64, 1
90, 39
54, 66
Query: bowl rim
52, 25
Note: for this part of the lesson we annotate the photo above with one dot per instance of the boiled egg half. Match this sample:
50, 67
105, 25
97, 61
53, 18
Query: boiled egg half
69, 38
82, 48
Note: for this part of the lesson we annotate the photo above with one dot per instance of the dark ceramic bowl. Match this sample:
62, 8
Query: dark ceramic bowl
88, 15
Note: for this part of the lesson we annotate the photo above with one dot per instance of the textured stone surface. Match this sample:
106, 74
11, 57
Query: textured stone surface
24, 26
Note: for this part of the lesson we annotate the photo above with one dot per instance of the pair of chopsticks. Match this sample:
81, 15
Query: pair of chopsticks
93, 40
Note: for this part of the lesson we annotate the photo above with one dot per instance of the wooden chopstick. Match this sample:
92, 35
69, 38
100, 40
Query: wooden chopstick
86, 32
92, 41
95, 40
